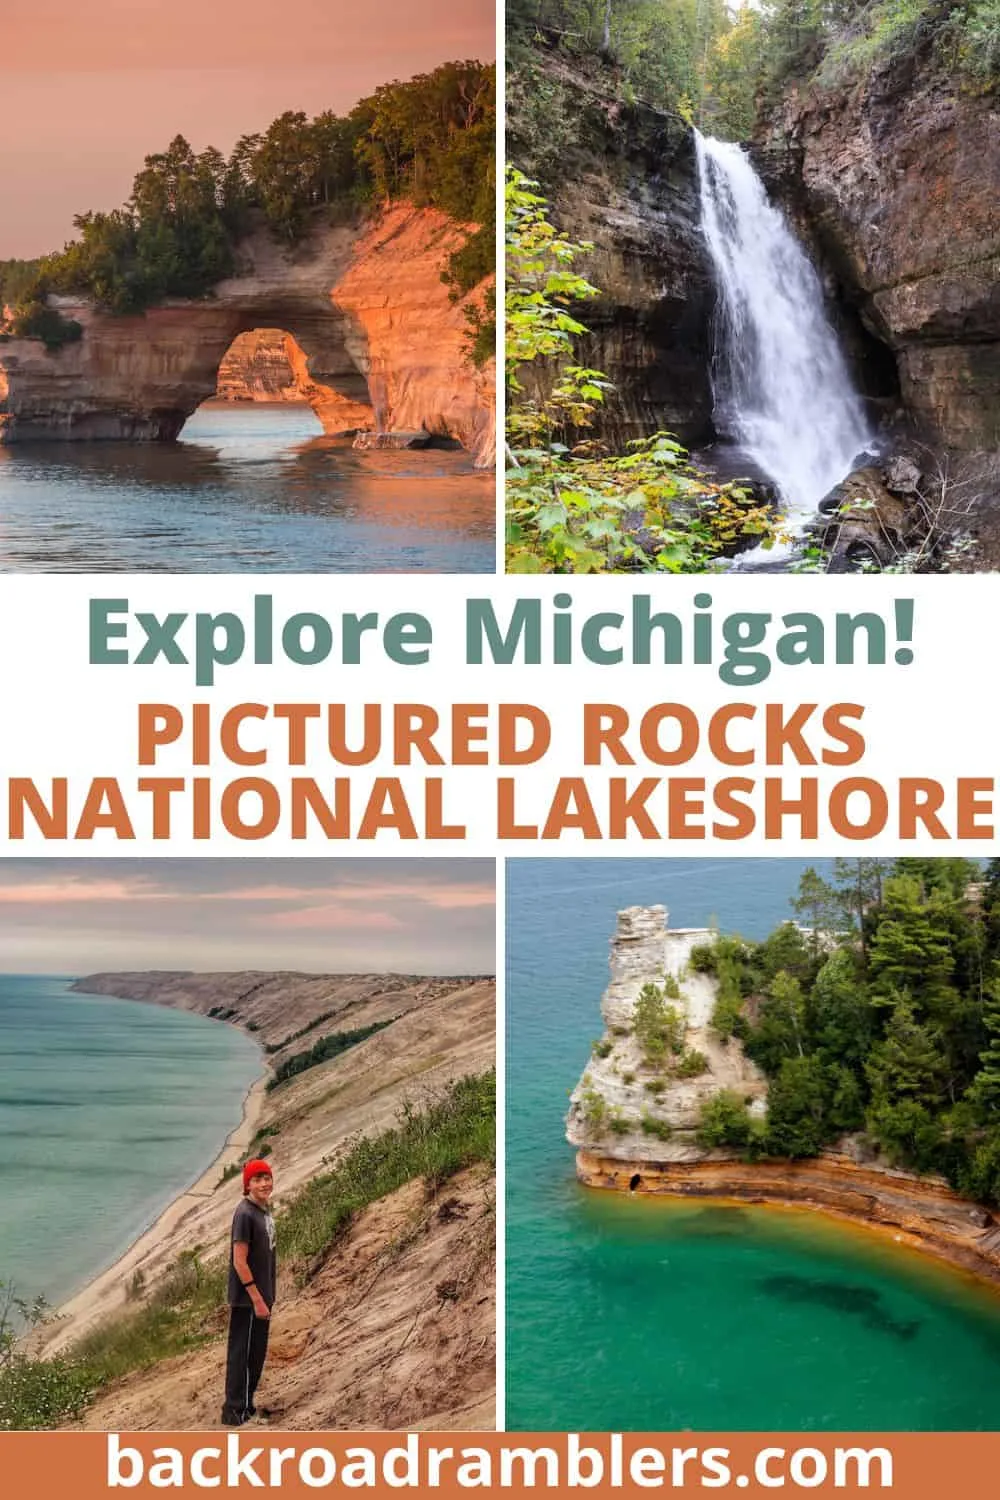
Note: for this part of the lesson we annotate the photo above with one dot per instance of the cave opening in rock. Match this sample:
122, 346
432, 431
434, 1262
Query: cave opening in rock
279, 385
634, 1182
261, 391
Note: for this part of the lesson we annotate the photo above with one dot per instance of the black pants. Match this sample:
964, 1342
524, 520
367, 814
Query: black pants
244, 1361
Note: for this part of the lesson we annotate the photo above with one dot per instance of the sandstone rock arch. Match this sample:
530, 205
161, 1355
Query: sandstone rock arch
383, 347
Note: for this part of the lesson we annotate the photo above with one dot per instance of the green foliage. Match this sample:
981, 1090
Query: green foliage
796, 1108
878, 31
717, 65
840, 1014
785, 951
17, 281
321, 1051
725, 1121
33, 1393
294, 1036
35, 320
780, 1029
434, 1143
892, 1027
653, 50
603, 1047
573, 509
593, 1108
727, 1013
733, 68
984, 1092
817, 905
704, 958
906, 1064
36, 1393
692, 1064
429, 140
652, 1126
979, 46
911, 948
979, 1174
658, 1027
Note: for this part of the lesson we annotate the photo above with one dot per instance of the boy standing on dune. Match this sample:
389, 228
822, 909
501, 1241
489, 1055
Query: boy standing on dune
252, 1278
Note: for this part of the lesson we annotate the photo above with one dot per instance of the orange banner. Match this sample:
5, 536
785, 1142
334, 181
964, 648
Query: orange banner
913, 1466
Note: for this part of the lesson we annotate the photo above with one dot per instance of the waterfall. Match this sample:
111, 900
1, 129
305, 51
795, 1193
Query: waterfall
781, 386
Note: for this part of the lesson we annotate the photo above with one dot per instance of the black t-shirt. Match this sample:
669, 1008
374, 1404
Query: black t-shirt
253, 1226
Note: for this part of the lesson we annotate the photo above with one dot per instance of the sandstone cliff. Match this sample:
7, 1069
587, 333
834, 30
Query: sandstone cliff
622, 1109
380, 344
370, 1339
257, 367
638, 1096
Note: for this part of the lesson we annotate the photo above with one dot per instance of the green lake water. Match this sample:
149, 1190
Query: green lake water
659, 1314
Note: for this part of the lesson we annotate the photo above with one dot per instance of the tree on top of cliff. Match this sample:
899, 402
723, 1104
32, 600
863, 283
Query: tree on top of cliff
724, 66
430, 139
901, 1037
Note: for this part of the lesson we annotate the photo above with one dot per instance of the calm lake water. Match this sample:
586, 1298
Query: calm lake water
640, 1314
248, 488
108, 1110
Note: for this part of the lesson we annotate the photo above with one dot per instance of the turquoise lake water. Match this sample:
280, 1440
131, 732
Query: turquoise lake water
655, 1314
247, 488
108, 1110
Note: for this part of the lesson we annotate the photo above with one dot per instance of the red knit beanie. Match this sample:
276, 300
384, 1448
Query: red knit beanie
255, 1168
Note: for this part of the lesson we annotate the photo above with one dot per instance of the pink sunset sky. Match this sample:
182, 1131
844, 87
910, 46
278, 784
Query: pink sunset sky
414, 916
91, 88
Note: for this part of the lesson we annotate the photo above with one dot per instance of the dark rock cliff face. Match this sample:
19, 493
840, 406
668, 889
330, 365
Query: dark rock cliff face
624, 177
899, 178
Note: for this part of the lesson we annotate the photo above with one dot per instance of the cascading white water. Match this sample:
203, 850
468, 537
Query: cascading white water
781, 386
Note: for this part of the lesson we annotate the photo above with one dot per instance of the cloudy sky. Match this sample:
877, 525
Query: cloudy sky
90, 87
426, 916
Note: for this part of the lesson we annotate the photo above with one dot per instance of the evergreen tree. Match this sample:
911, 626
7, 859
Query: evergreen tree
858, 883
984, 1092
906, 1064
817, 907
911, 948
796, 1108
780, 1028
839, 1012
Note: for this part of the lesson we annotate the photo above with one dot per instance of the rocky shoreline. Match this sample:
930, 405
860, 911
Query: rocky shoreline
921, 1212
375, 343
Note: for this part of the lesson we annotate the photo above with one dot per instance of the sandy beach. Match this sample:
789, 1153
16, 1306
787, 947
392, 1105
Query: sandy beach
157, 1244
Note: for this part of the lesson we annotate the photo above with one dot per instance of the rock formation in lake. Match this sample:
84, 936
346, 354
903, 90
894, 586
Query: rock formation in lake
258, 367
393, 1325
635, 1125
379, 344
